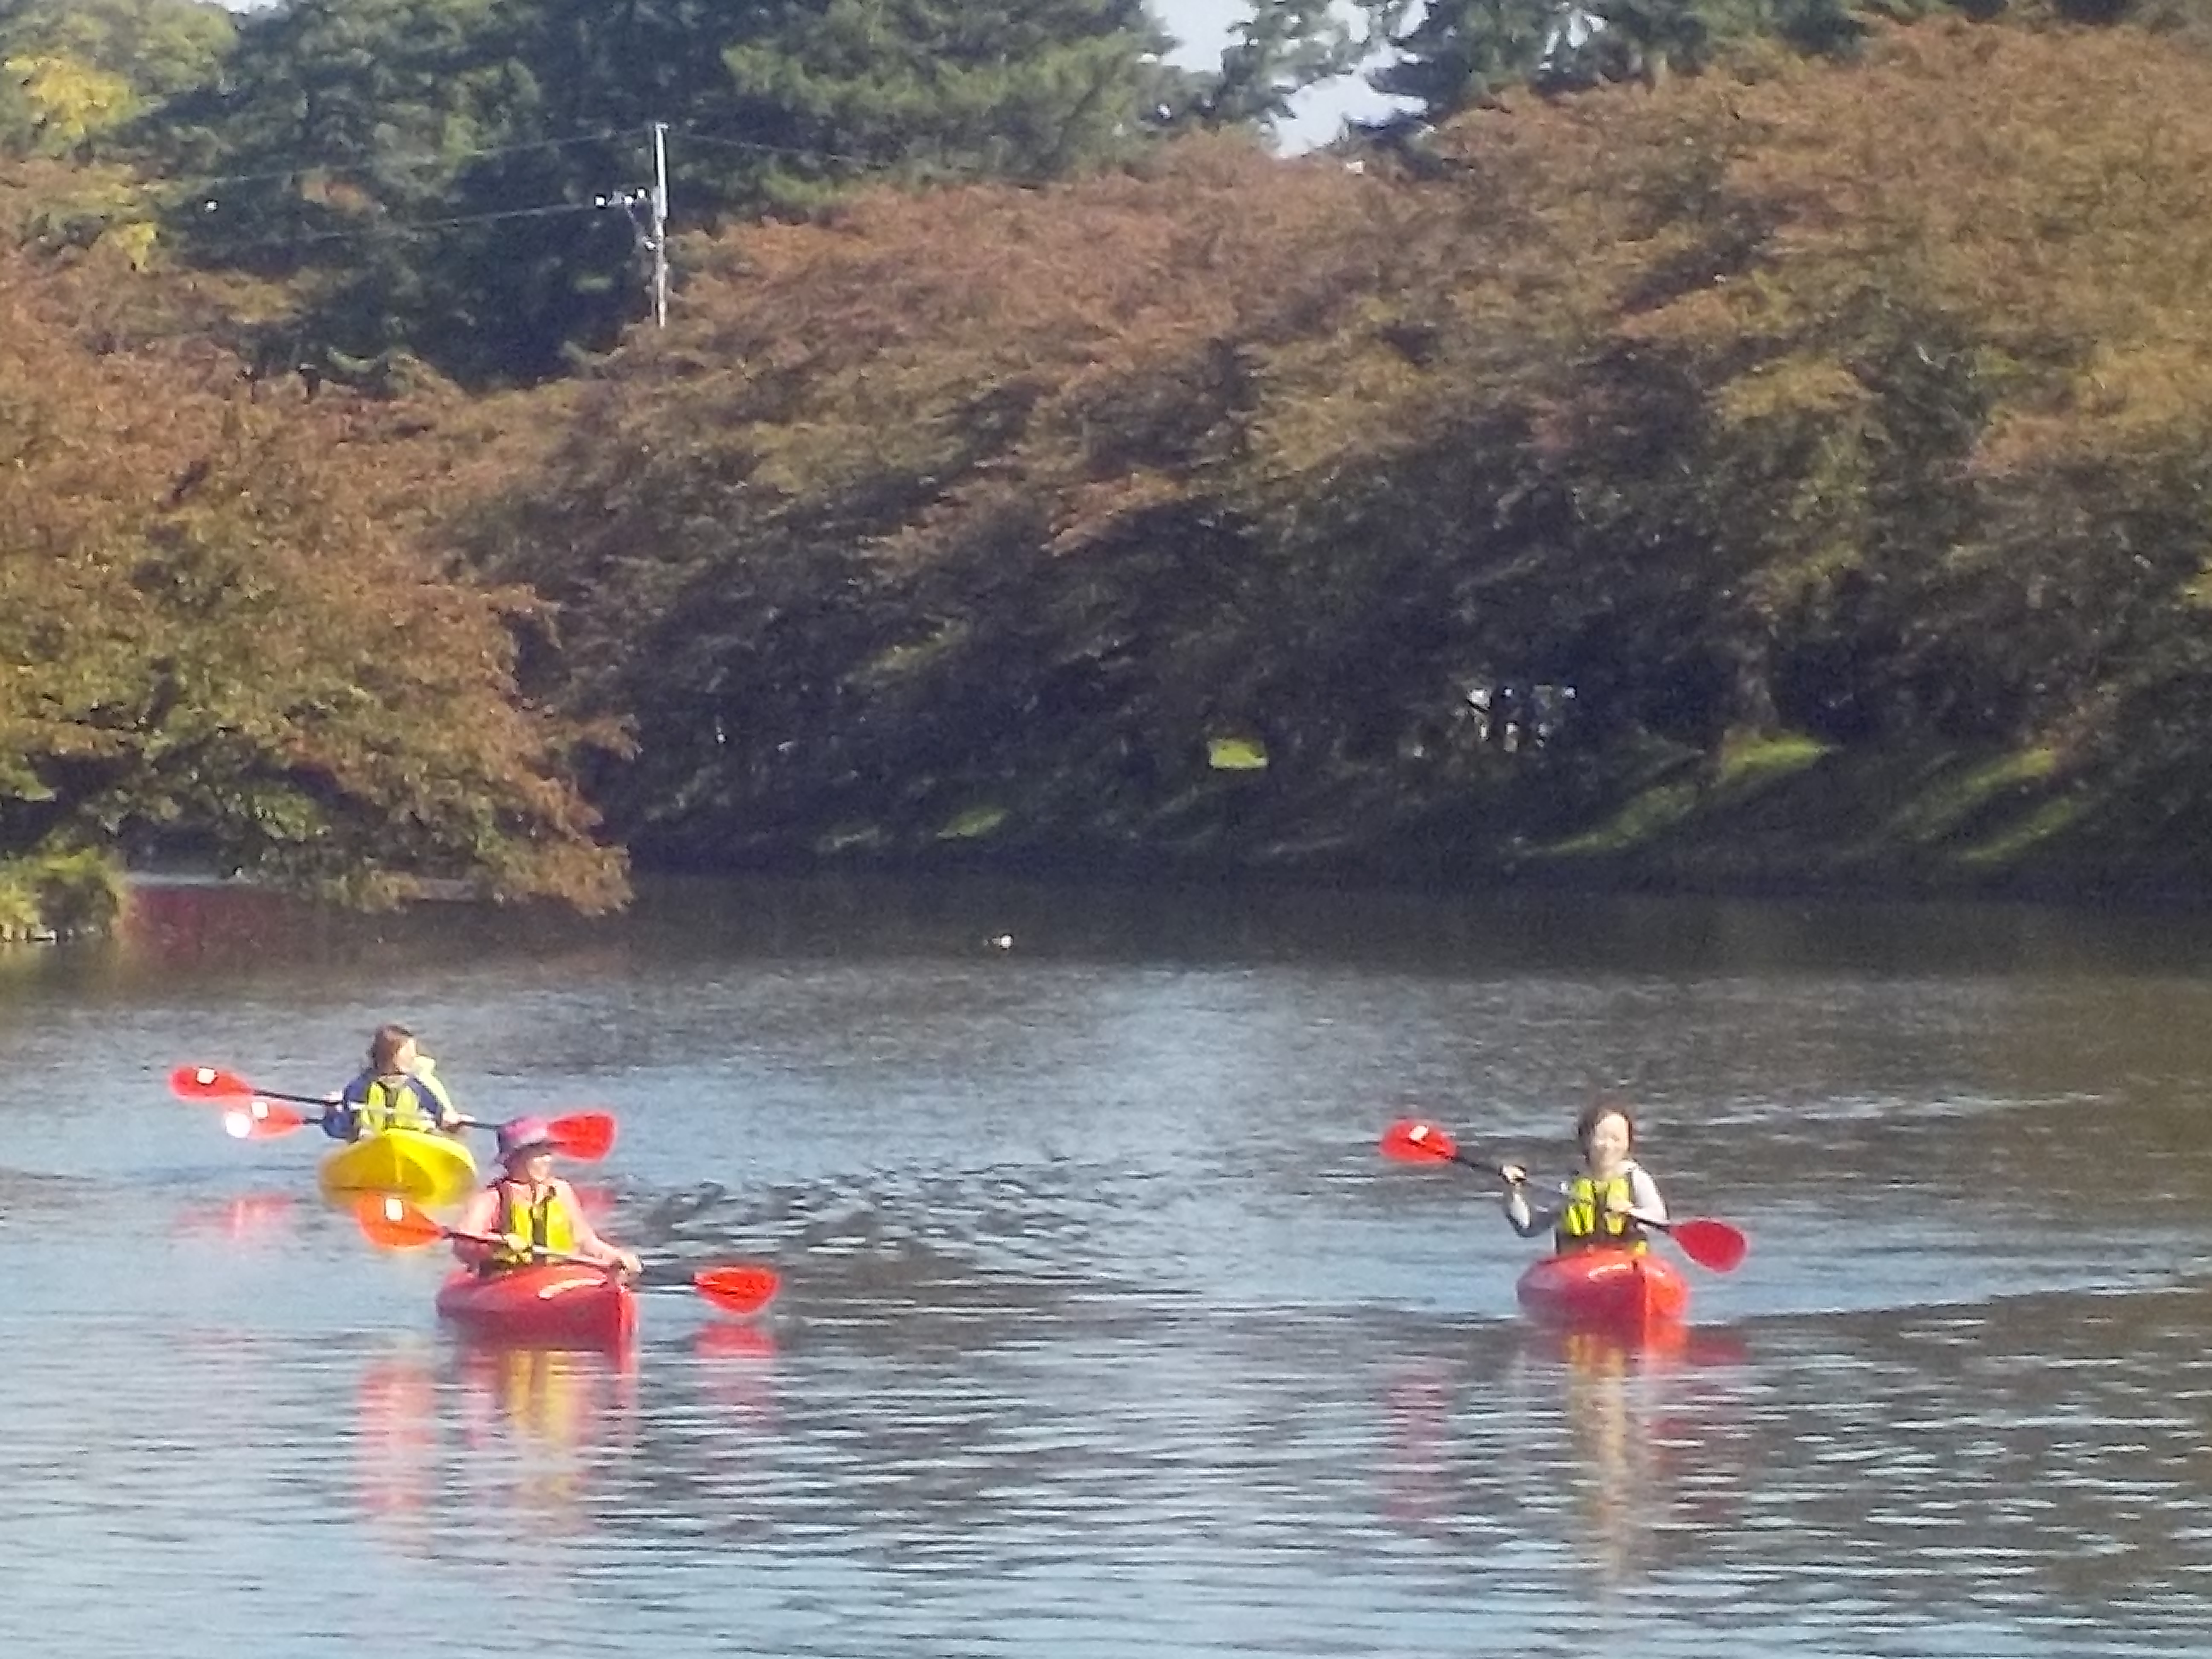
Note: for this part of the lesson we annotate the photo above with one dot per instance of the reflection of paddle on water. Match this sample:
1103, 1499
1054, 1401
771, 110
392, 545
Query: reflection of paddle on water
737, 1371
395, 1440
1416, 1494
251, 1215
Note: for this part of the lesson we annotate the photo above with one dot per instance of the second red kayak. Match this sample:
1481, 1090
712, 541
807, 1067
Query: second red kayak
1604, 1289
552, 1303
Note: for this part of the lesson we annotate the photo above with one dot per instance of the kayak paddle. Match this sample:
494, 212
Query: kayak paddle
586, 1137
252, 1113
395, 1224
1413, 1140
212, 1085
1708, 1243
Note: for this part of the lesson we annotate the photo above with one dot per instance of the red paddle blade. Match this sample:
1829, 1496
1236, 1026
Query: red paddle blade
741, 1289
1713, 1244
256, 1119
393, 1223
1413, 1140
207, 1083
586, 1137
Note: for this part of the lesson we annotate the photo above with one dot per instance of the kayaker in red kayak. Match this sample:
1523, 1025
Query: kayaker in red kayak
529, 1209
397, 1090
1607, 1202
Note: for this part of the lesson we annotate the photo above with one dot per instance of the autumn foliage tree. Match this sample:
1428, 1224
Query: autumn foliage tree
1208, 505
224, 642
972, 515
941, 431
70, 70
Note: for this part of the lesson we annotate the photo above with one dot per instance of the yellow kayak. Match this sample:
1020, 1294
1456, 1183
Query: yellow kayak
417, 1163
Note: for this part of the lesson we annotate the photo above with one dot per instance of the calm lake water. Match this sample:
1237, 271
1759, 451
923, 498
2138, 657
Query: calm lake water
1104, 1329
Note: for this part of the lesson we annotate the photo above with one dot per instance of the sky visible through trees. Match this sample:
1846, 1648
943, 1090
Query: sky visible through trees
1202, 26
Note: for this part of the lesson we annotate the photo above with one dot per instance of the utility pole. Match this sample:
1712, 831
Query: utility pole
652, 231
661, 224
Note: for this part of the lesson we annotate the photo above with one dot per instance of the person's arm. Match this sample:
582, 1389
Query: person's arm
435, 1099
1527, 1220
588, 1242
479, 1215
342, 1112
1644, 1203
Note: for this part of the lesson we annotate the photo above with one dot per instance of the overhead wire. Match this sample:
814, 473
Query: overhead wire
208, 184
341, 169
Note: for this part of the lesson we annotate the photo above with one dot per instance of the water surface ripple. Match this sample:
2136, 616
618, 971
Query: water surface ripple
1104, 1330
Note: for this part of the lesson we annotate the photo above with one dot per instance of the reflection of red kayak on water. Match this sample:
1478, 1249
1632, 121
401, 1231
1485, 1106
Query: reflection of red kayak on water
563, 1398
1621, 1291
550, 1303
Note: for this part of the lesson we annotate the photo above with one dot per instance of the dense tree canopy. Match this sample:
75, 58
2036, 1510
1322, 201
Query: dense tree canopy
72, 69
929, 519
829, 497
1447, 56
225, 644
457, 178
1620, 460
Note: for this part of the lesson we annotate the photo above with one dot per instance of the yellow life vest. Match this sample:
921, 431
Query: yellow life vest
1586, 1222
525, 1227
400, 1102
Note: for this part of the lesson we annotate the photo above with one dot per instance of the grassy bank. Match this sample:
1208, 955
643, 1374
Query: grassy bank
1773, 814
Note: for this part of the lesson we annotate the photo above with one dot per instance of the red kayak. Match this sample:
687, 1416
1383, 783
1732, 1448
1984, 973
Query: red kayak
1604, 1289
547, 1304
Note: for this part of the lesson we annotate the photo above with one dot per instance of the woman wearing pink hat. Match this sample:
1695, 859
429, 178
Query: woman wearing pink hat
529, 1210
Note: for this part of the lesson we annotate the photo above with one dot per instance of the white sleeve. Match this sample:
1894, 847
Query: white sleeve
1644, 1195
1527, 1222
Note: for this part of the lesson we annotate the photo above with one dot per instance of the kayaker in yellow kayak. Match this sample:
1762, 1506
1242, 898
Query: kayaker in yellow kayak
528, 1209
1608, 1201
398, 1090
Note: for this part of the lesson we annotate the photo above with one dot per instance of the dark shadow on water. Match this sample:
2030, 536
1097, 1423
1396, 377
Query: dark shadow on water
1014, 922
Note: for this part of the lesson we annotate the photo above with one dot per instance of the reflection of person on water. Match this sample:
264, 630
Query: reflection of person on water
399, 1090
1620, 1487
1607, 1202
529, 1210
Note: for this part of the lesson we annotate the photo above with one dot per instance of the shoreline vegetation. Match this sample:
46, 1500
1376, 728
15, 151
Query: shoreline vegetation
1789, 477
1781, 819
59, 896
